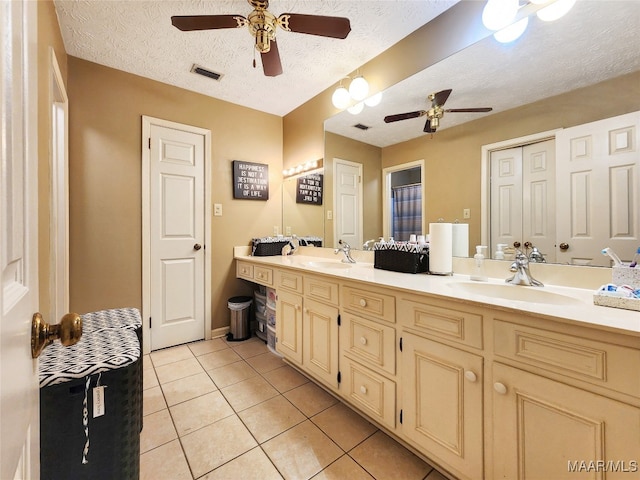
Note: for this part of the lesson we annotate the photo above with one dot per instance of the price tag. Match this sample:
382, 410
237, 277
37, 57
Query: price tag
98, 401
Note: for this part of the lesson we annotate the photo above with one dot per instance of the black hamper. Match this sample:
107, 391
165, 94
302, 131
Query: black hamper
108, 356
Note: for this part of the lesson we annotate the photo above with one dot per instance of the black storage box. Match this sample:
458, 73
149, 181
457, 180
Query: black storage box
401, 261
261, 247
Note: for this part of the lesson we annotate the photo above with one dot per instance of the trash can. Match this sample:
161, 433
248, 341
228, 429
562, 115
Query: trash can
239, 328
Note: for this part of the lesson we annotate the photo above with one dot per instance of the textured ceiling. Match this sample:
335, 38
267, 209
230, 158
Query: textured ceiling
136, 36
595, 41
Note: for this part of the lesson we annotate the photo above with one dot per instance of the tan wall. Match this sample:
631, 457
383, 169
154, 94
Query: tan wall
48, 38
106, 107
453, 155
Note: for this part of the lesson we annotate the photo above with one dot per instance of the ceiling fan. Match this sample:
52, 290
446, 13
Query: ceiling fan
435, 113
262, 25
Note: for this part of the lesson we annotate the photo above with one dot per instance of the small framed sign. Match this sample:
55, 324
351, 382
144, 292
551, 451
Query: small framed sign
309, 189
250, 180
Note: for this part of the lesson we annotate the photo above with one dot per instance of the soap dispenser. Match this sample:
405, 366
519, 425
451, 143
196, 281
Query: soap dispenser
479, 274
499, 255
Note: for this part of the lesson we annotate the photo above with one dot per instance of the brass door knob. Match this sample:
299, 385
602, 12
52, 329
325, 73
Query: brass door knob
68, 331
564, 246
197, 246
516, 244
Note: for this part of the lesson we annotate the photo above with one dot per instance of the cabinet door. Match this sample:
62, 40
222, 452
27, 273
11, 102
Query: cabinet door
442, 403
289, 325
320, 341
544, 429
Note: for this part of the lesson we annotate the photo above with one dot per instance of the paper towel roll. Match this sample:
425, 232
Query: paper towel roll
460, 240
440, 248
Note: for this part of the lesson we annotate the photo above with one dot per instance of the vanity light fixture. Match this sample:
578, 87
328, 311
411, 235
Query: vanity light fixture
302, 168
352, 98
555, 10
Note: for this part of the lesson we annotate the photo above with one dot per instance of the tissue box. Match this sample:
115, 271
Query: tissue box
625, 275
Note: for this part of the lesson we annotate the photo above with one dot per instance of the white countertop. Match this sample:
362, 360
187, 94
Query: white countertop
574, 305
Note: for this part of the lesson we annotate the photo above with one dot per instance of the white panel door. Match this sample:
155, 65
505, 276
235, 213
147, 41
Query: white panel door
606, 216
506, 197
348, 203
19, 400
177, 236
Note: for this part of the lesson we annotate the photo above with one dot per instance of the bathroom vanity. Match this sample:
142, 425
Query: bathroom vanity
483, 380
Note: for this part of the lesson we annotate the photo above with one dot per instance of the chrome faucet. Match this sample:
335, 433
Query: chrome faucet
536, 256
346, 249
521, 276
368, 245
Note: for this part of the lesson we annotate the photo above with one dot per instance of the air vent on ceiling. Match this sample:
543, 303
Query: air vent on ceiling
361, 126
207, 73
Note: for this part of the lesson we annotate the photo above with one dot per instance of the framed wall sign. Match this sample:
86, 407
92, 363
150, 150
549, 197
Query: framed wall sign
309, 189
250, 180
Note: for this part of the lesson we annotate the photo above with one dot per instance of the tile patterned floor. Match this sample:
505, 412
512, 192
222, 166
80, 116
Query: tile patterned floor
217, 410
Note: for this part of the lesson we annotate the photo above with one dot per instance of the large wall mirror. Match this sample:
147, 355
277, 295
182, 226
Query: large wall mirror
582, 68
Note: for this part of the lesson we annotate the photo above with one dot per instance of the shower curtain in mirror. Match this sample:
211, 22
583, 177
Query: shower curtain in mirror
407, 211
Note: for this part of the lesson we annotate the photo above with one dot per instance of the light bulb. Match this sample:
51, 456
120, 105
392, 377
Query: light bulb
374, 100
512, 32
356, 109
359, 88
555, 10
497, 14
341, 98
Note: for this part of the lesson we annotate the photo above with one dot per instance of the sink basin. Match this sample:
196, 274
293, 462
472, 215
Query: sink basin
514, 292
329, 264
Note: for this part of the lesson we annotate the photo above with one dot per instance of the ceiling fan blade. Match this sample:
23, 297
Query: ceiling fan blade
334, 27
441, 97
427, 127
188, 23
271, 64
404, 116
470, 110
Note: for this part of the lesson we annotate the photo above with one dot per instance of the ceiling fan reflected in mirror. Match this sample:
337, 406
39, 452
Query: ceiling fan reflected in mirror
435, 113
263, 24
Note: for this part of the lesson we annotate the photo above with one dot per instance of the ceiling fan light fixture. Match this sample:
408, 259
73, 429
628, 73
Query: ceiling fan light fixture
341, 98
512, 32
373, 100
359, 88
555, 10
497, 14
356, 109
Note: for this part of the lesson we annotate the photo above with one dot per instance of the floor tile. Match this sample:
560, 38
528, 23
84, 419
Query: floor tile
232, 373
344, 426
157, 430
170, 355
216, 444
187, 388
207, 346
153, 400
265, 362
285, 378
345, 468
248, 393
271, 418
310, 399
180, 369
199, 412
435, 475
146, 362
149, 379
212, 360
253, 465
383, 457
301, 452
250, 348
166, 462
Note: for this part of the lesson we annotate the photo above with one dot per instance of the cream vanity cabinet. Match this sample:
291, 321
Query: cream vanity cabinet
254, 273
307, 323
561, 402
442, 384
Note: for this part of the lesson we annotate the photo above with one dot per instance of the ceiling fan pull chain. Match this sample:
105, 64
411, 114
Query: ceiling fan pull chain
254, 58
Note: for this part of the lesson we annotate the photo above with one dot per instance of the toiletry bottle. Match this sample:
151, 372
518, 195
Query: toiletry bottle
479, 274
499, 255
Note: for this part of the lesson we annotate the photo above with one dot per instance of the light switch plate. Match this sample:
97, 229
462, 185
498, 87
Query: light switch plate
217, 209
466, 213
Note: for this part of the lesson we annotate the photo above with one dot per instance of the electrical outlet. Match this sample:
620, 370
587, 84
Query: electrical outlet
466, 213
276, 230
287, 231
329, 215
217, 209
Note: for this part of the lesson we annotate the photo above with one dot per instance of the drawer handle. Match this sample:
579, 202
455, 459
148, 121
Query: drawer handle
259, 275
298, 307
363, 340
363, 302
363, 390
469, 375
306, 310
500, 388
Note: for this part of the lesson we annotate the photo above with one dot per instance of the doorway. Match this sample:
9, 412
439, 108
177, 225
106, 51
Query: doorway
348, 202
176, 233
403, 210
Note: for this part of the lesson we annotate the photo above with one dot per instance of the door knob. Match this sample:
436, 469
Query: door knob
564, 246
68, 331
197, 246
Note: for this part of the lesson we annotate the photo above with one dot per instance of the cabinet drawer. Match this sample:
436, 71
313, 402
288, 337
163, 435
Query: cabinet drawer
373, 394
443, 321
244, 270
611, 366
289, 280
369, 342
263, 275
369, 303
321, 290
